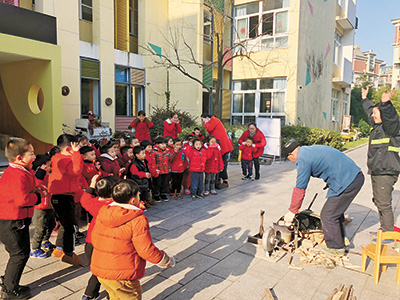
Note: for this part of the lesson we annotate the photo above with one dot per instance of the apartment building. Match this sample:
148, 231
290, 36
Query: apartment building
366, 62
303, 52
396, 54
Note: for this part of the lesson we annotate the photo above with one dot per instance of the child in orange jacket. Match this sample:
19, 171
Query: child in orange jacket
122, 244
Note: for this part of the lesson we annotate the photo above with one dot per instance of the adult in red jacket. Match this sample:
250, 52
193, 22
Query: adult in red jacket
215, 128
172, 126
259, 141
142, 125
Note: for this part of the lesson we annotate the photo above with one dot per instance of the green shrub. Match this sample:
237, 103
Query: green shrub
364, 128
160, 114
310, 136
120, 134
188, 130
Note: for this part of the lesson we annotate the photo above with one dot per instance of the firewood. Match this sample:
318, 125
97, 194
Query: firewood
295, 268
269, 294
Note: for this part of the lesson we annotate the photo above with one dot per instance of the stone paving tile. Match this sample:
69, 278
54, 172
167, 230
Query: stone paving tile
205, 286
159, 288
157, 231
185, 248
370, 295
189, 268
233, 266
50, 291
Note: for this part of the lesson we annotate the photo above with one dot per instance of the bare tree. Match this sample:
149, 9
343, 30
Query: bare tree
183, 55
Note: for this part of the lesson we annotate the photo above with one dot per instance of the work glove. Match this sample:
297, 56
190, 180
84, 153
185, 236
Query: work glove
288, 218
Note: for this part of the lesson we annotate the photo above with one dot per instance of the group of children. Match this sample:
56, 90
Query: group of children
52, 186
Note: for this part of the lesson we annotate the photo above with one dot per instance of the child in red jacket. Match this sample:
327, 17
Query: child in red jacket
162, 158
64, 187
89, 167
103, 189
248, 149
178, 165
18, 195
197, 156
172, 127
214, 165
43, 217
142, 125
109, 162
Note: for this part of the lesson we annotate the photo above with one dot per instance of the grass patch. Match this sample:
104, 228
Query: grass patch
353, 144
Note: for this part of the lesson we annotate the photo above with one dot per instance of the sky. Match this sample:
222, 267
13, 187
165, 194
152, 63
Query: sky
375, 30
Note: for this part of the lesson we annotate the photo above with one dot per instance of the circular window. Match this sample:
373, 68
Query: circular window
36, 99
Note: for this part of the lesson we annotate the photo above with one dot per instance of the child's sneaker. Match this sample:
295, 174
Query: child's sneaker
73, 260
57, 253
84, 297
201, 196
187, 192
179, 196
173, 196
157, 199
47, 246
164, 198
39, 253
206, 193
244, 177
193, 197
251, 178
79, 235
213, 192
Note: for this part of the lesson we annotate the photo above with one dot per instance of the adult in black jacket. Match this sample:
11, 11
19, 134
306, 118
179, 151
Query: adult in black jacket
383, 154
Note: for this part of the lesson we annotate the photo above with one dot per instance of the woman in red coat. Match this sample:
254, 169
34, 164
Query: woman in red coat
215, 128
172, 126
259, 141
142, 125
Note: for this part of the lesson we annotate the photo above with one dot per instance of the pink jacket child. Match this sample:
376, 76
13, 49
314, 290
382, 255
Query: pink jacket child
109, 162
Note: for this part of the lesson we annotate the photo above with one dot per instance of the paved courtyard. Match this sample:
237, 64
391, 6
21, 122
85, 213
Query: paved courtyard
208, 239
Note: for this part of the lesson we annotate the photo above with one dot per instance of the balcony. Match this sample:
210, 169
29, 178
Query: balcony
343, 76
346, 14
27, 24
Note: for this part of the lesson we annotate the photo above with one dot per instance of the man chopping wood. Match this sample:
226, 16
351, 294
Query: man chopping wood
343, 177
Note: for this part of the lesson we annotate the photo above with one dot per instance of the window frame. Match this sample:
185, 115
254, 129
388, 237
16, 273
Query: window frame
81, 5
335, 106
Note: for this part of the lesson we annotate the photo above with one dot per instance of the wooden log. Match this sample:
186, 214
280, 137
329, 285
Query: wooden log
269, 294
295, 268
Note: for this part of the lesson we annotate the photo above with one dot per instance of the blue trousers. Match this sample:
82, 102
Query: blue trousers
247, 167
196, 183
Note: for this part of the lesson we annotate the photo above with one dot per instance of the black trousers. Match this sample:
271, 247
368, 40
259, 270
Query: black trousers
160, 185
256, 162
332, 214
382, 188
176, 182
224, 173
93, 286
44, 223
14, 234
64, 207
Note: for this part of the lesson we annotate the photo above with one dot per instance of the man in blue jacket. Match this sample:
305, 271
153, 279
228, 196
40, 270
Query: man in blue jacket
343, 177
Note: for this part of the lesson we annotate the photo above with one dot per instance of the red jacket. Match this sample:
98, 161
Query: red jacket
214, 163
247, 152
162, 159
16, 193
89, 170
93, 204
142, 129
66, 174
109, 165
152, 164
122, 243
179, 163
258, 140
216, 128
200, 136
171, 128
197, 159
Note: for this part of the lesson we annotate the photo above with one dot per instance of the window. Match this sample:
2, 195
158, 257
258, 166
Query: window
371, 64
345, 104
90, 86
86, 10
258, 97
133, 17
128, 96
334, 105
268, 19
337, 50
207, 25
